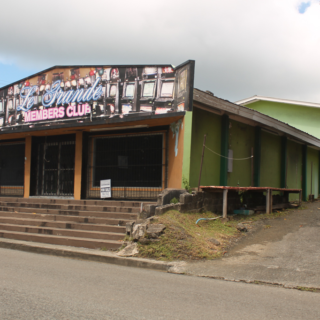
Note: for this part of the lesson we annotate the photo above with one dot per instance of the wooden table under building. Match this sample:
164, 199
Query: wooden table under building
268, 191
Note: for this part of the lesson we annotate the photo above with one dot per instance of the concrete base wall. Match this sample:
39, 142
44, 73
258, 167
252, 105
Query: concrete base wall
201, 202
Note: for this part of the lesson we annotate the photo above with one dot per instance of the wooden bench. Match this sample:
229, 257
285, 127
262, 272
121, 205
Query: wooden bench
268, 191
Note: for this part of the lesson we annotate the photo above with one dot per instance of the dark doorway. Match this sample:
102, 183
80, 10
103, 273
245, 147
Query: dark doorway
12, 168
135, 164
54, 158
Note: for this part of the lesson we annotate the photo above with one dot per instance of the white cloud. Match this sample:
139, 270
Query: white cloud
241, 48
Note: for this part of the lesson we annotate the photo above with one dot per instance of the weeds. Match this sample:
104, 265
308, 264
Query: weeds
307, 289
174, 200
185, 183
184, 240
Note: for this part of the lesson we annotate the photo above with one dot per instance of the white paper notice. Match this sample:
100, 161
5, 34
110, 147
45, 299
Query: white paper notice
105, 188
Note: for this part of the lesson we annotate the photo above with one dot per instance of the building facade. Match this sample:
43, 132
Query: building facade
67, 130
249, 148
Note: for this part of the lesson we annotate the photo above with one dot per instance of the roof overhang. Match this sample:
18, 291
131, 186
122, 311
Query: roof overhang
252, 117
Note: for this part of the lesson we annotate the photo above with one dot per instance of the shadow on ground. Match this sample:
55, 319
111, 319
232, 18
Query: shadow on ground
283, 251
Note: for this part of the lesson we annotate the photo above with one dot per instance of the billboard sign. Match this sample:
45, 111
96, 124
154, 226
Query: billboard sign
86, 94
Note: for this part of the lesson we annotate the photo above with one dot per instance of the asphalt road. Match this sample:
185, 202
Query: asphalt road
36, 286
285, 251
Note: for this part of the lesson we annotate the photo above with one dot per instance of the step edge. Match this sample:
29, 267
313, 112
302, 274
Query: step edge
61, 237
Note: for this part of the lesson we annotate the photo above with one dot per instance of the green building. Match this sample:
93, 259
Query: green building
284, 155
302, 115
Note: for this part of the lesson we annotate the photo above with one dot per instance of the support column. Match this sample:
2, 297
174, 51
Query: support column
304, 172
268, 201
224, 150
186, 159
78, 166
225, 203
27, 167
283, 178
257, 156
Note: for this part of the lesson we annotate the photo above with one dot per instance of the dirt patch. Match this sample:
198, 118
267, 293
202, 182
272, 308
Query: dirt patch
183, 239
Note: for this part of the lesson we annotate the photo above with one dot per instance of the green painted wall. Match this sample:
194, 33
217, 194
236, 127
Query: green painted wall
204, 122
187, 146
304, 118
225, 123
241, 140
313, 156
270, 169
294, 167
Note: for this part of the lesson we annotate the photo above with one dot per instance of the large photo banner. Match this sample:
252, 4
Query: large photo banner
80, 94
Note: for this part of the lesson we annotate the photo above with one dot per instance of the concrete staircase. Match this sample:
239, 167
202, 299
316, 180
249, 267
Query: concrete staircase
93, 224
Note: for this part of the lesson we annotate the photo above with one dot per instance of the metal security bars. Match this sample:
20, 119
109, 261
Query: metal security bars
136, 165
55, 174
12, 169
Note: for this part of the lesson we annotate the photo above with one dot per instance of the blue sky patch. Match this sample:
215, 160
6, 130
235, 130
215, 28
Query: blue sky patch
303, 6
10, 73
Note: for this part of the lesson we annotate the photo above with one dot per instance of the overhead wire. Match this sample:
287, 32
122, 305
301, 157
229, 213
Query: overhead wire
227, 157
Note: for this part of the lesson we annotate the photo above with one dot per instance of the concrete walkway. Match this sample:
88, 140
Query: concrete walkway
284, 251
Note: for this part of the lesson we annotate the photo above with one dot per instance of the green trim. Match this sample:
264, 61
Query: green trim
304, 172
187, 146
283, 178
257, 156
224, 150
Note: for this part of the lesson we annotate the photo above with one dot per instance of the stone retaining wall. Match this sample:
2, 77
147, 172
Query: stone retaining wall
195, 202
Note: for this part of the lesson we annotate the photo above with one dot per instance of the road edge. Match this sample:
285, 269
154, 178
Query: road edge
84, 254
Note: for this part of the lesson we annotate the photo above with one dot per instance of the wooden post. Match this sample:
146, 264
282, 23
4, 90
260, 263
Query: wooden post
78, 166
27, 167
268, 201
300, 197
225, 203
204, 144
271, 200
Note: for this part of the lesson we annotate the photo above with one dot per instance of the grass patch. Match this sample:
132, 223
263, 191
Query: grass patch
184, 240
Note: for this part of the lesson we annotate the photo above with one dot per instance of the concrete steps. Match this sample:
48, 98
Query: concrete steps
59, 240
61, 207
62, 224
90, 224
106, 214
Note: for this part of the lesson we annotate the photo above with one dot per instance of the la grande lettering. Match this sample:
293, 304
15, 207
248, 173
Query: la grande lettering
56, 95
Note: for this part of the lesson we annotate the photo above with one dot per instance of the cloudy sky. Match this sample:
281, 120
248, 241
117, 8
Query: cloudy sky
241, 48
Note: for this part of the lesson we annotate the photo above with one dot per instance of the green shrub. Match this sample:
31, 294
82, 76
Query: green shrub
174, 200
185, 183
